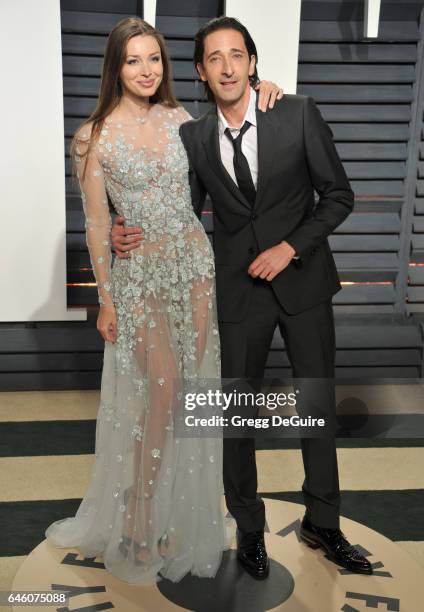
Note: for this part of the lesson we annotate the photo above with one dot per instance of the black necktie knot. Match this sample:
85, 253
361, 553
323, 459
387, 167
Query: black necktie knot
237, 141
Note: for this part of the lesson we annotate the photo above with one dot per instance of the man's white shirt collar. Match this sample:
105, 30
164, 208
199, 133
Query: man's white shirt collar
250, 115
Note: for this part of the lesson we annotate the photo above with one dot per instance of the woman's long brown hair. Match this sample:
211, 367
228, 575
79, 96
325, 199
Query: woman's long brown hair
110, 86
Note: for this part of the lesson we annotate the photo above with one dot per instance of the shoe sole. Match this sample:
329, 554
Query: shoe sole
251, 572
312, 543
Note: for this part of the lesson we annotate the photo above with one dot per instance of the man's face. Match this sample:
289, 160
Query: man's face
226, 65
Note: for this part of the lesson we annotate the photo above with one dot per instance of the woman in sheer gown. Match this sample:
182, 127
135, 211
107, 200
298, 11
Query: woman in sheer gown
154, 500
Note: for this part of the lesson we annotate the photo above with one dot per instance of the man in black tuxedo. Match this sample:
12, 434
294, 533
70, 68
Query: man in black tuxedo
274, 266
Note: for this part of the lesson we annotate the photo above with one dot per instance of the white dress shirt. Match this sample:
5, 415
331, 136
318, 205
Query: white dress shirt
249, 143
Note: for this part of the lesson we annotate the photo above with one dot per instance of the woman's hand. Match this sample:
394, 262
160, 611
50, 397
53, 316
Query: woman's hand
106, 323
268, 93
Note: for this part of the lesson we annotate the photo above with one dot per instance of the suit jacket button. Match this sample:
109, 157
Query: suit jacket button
254, 217
251, 250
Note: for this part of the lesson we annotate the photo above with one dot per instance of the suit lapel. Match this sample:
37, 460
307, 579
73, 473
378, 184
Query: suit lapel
266, 135
211, 144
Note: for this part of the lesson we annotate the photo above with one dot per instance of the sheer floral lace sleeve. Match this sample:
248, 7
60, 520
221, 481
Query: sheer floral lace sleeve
98, 221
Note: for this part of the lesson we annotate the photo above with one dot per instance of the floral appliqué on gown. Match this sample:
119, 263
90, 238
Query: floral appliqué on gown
154, 500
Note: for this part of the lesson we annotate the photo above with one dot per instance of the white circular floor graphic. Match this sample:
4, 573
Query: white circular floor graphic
301, 579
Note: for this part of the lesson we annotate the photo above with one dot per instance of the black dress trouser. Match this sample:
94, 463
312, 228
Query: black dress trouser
310, 343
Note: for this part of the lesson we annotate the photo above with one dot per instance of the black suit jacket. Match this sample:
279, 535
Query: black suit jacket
296, 155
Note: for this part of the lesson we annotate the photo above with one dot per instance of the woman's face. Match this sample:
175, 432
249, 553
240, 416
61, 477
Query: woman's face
142, 70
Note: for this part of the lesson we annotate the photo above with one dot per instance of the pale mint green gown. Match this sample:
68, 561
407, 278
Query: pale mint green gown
146, 483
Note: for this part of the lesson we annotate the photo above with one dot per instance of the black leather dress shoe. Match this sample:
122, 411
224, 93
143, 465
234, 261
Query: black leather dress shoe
334, 543
251, 553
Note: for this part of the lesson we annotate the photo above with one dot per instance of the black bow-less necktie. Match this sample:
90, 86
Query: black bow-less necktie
241, 165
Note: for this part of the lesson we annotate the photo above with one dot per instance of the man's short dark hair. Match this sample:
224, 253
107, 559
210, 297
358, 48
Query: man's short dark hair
223, 23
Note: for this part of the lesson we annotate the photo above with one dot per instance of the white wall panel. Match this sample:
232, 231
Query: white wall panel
149, 12
274, 26
32, 185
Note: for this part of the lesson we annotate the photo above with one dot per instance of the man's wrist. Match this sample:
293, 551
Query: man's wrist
288, 248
